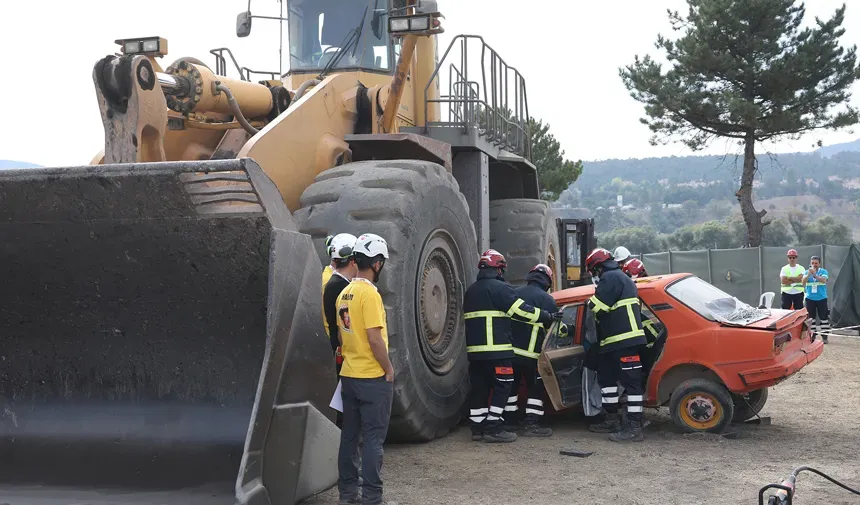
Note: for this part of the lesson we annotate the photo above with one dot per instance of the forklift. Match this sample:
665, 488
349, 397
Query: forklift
576, 237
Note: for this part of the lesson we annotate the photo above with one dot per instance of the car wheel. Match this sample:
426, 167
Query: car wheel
748, 406
702, 405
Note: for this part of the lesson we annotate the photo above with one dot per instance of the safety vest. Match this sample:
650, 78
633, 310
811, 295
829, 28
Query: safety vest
788, 271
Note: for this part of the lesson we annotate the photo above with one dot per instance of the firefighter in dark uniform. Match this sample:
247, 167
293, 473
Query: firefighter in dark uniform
527, 339
635, 269
615, 306
489, 305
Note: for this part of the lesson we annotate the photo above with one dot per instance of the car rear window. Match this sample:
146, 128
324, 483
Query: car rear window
695, 293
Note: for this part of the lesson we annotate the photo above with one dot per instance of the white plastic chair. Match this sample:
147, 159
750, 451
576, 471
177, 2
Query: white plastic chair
765, 301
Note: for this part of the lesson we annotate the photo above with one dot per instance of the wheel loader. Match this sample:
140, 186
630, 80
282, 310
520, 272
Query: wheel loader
161, 310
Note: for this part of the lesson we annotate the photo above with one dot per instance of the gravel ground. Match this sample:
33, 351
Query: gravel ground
814, 423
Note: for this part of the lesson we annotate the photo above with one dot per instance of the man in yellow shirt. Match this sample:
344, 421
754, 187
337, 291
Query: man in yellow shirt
367, 375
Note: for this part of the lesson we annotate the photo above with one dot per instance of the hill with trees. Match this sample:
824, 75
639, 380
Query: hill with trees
688, 202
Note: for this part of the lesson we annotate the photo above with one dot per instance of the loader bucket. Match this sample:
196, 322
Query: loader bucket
161, 330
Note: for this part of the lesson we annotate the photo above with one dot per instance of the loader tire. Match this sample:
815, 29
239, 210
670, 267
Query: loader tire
417, 207
524, 231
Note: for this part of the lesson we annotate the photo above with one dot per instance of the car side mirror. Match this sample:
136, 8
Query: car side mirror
243, 24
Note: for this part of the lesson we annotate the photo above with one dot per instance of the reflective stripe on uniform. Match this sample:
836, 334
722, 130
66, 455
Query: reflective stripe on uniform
515, 309
598, 305
629, 303
490, 346
531, 352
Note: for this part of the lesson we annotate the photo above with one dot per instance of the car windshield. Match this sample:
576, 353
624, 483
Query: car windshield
711, 302
318, 29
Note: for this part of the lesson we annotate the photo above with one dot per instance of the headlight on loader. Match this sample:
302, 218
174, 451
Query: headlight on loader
398, 25
417, 24
151, 46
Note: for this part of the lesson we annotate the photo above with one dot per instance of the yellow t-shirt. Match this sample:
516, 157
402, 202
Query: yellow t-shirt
326, 275
359, 307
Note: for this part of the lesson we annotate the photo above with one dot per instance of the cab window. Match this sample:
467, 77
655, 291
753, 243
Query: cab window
319, 28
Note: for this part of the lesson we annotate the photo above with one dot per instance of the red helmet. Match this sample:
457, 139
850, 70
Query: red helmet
492, 259
792, 252
544, 269
634, 268
597, 258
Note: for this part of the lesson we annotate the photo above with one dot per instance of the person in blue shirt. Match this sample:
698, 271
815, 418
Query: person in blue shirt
815, 285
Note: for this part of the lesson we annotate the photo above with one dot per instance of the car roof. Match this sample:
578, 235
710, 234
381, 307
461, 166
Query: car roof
644, 284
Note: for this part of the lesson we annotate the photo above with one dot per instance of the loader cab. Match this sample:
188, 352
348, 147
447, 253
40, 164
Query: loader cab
342, 34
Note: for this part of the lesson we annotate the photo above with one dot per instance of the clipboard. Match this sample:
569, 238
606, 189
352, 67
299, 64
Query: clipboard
336, 399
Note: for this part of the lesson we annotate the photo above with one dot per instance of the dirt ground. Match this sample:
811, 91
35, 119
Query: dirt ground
814, 422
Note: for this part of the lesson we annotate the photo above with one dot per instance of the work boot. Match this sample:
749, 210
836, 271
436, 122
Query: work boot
500, 436
536, 430
632, 433
612, 424
477, 435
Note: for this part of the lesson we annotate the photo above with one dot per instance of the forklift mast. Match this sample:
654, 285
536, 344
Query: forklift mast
576, 237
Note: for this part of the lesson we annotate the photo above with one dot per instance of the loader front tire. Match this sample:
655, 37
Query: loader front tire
417, 207
524, 231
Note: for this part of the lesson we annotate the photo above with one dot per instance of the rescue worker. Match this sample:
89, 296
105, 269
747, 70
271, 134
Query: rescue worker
615, 306
489, 305
341, 247
527, 339
326, 275
621, 255
634, 268
367, 376
791, 278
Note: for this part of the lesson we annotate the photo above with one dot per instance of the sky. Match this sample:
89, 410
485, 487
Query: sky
568, 52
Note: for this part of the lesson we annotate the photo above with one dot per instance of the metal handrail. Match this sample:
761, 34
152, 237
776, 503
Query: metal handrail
221, 62
498, 107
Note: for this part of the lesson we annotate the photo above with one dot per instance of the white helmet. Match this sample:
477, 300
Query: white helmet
341, 246
371, 245
621, 254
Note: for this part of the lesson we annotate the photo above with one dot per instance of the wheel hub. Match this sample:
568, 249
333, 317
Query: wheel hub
701, 408
438, 312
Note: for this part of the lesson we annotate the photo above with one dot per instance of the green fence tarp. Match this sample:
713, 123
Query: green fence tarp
748, 272
845, 305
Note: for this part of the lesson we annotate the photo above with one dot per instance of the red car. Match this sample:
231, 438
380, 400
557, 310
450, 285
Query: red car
716, 356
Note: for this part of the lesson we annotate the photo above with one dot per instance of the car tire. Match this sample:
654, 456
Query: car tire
749, 407
702, 406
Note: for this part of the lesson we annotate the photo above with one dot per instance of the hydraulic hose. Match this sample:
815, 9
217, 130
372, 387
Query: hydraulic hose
304, 87
234, 107
786, 488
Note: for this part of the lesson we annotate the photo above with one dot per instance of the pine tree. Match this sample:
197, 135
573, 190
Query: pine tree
746, 70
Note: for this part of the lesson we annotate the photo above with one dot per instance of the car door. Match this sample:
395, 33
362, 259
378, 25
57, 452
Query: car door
562, 357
